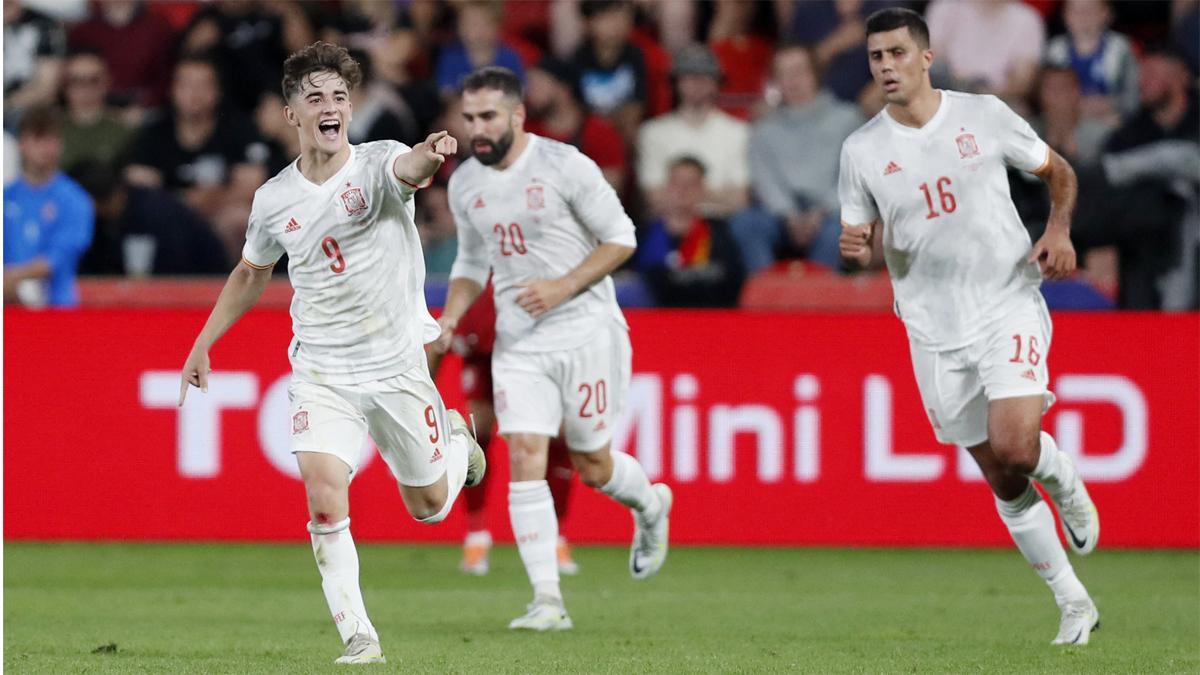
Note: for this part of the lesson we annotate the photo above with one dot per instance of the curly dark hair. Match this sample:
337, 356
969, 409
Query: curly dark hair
316, 58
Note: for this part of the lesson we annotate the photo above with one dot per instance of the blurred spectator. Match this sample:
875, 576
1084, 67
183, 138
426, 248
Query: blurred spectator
1102, 59
93, 132
137, 46
1145, 200
12, 159
33, 49
1061, 122
250, 41
837, 33
451, 120
674, 21
555, 111
216, 161
989, 47
612, 71
280, 137
439, 235
47, 219
478, 45
146, 231
697, 127
688, 260
379, 112
794, 154
1185, 31
744, 56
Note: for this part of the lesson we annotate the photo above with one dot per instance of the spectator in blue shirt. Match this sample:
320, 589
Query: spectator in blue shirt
48, 219
478, 45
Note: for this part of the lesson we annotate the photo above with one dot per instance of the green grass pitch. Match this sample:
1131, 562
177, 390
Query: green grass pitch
251, 608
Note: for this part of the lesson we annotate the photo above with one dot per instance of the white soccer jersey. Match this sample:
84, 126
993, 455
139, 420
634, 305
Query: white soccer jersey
355, 263
954, 244
538, 219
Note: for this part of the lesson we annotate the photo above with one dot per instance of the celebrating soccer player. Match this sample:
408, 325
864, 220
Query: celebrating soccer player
344, 215
930, 169
540, 216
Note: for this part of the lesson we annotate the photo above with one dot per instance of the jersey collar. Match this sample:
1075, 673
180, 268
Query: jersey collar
930, 126
310, 186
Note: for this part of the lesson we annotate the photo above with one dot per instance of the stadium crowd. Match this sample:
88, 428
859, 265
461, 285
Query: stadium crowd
137, 132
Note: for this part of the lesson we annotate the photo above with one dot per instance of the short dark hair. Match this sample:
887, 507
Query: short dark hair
494, 77
593, 8
41, 121
689, 160
892, 18
316, 58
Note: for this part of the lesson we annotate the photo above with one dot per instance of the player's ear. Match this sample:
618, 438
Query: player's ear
290, 116
518, 115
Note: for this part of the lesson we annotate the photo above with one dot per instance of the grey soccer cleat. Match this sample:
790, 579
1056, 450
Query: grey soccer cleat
361, 648
542, 615
1079, 619
650, 538
476, 460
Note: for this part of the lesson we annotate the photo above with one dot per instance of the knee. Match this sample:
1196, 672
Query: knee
1017, 452
593, 470
327, 502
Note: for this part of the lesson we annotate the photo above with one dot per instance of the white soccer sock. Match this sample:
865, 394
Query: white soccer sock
1053, 471
535, 526
630, 486
337, 559
1031, 525
458, 452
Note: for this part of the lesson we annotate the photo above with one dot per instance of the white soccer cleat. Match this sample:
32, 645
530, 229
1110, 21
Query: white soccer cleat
542, 615
567, 566
476, 460
649, 550
1078, 515
1079, 619
361, 649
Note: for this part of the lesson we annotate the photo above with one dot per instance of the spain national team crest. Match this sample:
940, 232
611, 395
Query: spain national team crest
966, 146
354, 200
535, 197
300, 422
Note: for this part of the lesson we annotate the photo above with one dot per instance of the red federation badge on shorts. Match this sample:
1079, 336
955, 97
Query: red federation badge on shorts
300, 422
354, 200
535, 197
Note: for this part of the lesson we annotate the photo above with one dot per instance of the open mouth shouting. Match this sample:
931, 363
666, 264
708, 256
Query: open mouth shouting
330, 129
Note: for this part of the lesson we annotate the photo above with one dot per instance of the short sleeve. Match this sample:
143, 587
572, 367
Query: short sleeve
595, 203
858, 207
262, 249
471, 261
1021, 147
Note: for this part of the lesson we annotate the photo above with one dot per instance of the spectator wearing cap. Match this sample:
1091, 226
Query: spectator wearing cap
1102, 59
794, 154
555, 111
48, 219
698, 128
478, 45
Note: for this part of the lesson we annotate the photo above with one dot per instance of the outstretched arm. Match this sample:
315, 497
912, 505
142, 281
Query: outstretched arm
424, 159
241, 291
1055, 246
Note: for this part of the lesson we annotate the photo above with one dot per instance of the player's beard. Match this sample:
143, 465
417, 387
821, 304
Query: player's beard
500, 148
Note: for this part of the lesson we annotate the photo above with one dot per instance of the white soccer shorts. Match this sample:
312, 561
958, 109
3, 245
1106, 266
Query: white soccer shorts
580, 390
957, 385
404, 415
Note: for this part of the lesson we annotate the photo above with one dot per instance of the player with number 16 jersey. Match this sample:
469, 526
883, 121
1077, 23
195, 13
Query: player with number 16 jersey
931, 170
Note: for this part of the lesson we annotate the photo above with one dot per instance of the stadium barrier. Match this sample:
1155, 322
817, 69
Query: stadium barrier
773, 429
